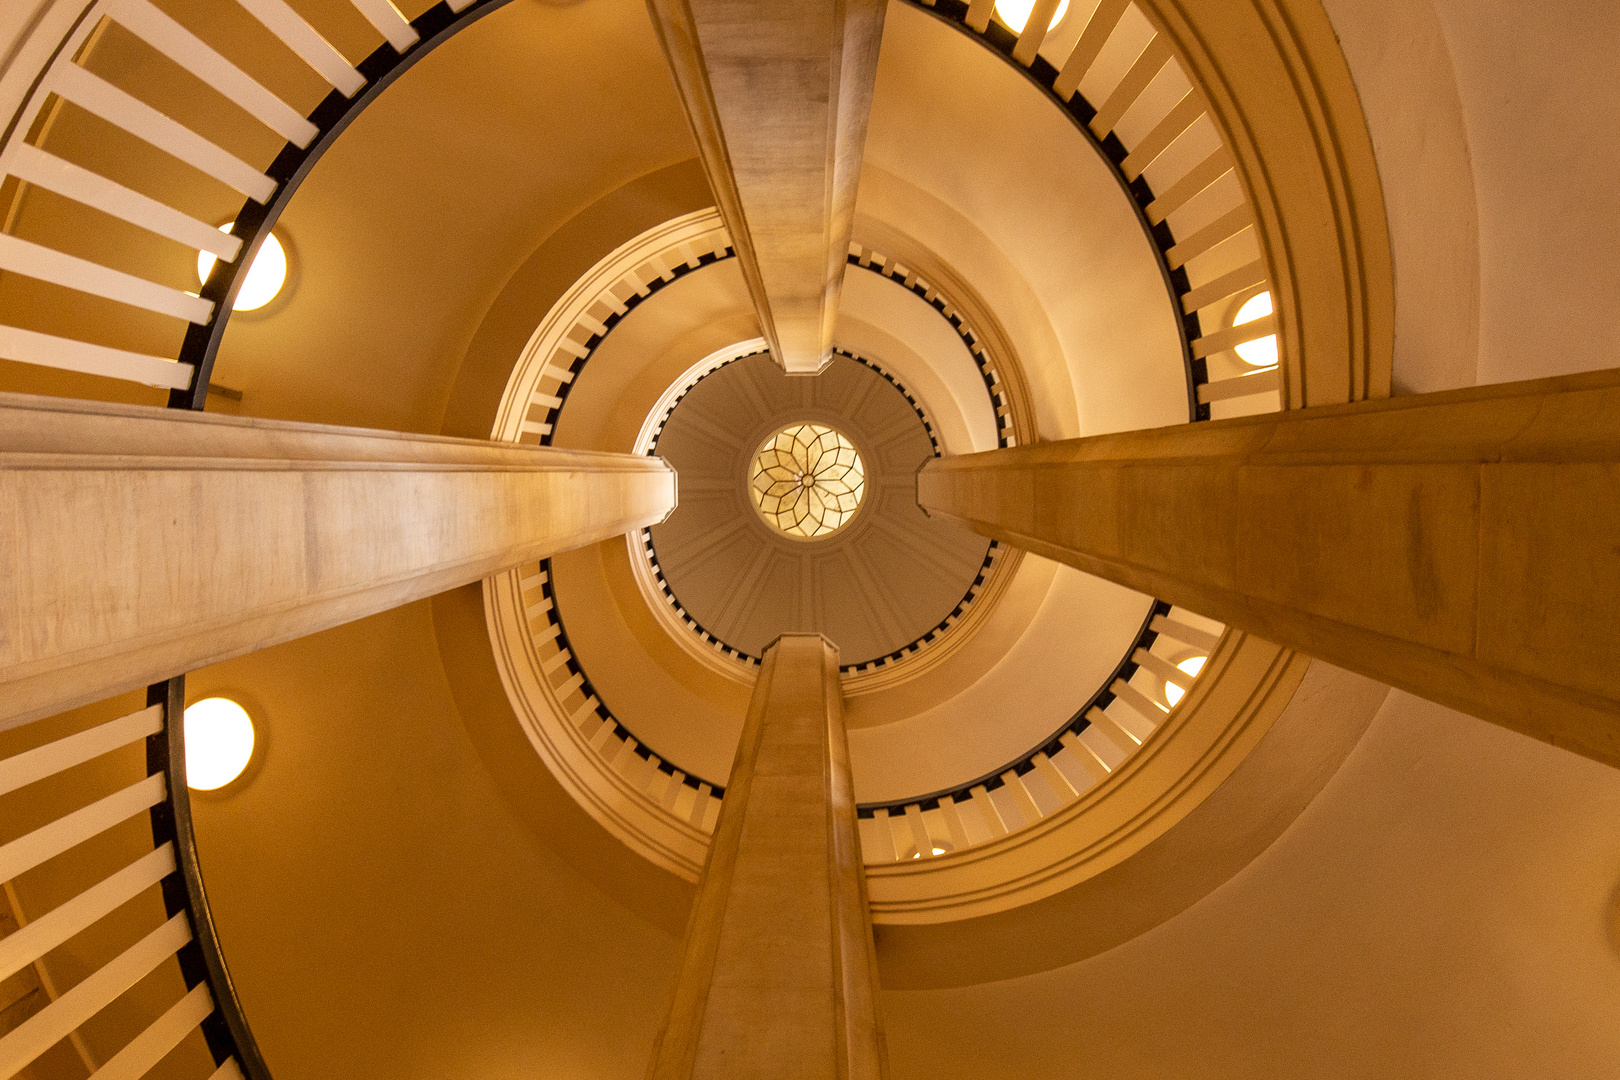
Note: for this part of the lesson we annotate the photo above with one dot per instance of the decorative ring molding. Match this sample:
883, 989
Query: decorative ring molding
578, 322
995, 575
660, 811
1005, 404
1246, 685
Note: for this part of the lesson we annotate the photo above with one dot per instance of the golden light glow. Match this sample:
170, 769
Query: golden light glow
1015, 13
219, 742
1261, 352
264, 278
1192, 666
807, 481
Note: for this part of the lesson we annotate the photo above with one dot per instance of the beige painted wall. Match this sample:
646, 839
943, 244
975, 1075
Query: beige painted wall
1498, 142
1446, 907
1402, 67
1539, 88
437, 195
384, 911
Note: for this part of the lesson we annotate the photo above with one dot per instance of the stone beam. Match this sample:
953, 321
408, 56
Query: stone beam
141, 543
1464, 546
778, 93
779, 975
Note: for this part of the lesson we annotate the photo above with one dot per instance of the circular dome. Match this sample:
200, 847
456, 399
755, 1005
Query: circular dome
807, 481
752, 551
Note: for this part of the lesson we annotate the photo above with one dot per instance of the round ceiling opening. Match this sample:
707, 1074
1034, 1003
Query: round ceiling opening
753, 552
807, 481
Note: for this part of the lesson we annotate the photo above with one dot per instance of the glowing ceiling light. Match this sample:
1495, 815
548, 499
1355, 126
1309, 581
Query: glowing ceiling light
1192, 666
807, 481
1261, 352
264, 278
219, 742
1015, 13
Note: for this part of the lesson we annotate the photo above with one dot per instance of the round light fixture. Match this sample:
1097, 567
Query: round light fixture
1261, 352
264, 278
1015, 13
219, 742
1192, 666
807, 481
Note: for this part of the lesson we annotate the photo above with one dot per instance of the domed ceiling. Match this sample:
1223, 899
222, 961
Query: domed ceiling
1006, 302
885, 578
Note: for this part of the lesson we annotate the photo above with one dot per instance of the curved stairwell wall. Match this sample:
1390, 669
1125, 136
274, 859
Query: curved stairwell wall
604, 608
363, 153
1422, 873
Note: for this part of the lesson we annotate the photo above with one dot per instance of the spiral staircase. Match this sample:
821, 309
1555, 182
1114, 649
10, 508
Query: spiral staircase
1061, 231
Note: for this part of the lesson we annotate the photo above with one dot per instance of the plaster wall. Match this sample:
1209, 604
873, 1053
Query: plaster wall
1498, 145
437, 195
1445, 907
386, 913
1539, 87
1403, 73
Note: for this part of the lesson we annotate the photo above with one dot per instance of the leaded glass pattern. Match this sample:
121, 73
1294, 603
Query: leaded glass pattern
807, 481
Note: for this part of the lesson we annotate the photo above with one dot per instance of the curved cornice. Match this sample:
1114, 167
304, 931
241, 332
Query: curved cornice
1303, 721
1269, 75
1246, 685
1279, 89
